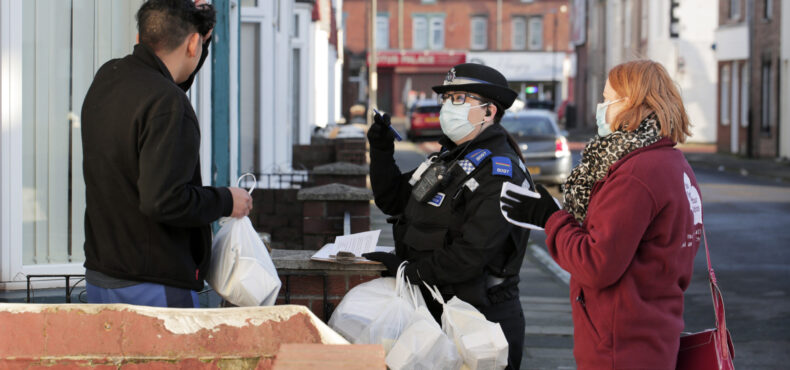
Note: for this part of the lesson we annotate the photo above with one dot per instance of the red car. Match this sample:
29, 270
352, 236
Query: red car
424, 119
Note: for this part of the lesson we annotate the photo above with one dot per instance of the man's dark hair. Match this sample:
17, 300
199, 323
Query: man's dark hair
164, 24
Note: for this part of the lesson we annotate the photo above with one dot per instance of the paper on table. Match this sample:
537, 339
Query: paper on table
331, 249
358, 243
509, 186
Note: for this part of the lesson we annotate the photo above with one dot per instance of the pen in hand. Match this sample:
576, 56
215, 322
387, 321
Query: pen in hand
397, 135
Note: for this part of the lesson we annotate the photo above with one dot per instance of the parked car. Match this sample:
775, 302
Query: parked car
424, 119
543, 145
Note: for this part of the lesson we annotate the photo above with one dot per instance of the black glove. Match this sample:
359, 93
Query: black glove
529, 210
380, 135
390, 261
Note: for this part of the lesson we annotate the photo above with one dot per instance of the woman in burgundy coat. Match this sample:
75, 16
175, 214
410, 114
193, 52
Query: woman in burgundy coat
630, 225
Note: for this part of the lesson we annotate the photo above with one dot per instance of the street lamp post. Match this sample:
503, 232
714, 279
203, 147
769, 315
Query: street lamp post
373, 77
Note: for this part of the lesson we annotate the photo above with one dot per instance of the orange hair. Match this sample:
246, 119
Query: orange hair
649, 89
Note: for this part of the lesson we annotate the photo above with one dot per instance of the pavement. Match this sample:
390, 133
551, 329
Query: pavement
704, 155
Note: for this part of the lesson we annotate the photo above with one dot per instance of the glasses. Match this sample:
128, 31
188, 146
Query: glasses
457, 98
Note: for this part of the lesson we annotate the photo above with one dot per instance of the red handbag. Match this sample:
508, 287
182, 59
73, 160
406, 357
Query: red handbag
711, 348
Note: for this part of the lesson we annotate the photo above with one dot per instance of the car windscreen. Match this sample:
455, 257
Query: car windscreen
528, 126
428, 109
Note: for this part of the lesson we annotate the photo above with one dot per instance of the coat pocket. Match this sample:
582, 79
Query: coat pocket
582, 316
424, 239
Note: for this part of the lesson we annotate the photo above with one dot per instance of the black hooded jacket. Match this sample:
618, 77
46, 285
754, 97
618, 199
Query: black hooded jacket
148, 216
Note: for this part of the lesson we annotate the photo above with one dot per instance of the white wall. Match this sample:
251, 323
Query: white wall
614, 33
689, 59
320, 76
784, 117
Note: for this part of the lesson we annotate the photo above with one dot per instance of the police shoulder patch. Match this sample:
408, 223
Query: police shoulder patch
501, 166
478, 155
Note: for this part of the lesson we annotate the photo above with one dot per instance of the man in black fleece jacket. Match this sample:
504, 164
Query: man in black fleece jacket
147, 221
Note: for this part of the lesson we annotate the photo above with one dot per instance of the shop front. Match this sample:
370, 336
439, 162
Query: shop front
404, 77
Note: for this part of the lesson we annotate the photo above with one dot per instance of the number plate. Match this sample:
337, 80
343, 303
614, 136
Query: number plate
534, 170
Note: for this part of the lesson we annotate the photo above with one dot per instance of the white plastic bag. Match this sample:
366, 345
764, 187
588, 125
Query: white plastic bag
241, 271
423, 344
375, 312
481, 343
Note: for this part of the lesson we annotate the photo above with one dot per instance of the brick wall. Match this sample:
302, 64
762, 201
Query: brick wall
125, 336
277, 212
309, 156
309, 290
323, 151
457, 21
323, 220
765, 48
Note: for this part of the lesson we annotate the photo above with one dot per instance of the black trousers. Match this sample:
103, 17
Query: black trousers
510, 317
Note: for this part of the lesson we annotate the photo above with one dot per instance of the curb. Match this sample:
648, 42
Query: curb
543, 257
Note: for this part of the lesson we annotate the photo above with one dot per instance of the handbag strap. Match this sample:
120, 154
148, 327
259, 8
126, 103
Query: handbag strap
718, 302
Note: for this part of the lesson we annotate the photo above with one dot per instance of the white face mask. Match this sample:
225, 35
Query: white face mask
600, 117
454, 120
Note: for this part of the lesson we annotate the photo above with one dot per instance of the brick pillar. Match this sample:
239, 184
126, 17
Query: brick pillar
351, 150
278, 213
324, 210
340, 172
303, 280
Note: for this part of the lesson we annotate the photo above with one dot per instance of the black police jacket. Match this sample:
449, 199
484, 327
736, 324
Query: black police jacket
461, 241
147, 214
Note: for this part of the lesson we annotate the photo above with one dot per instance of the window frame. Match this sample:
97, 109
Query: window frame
724, 94
422, 35
432, 28
766, 95
735, 9
530, 22
515, 33
476, 22
382, 36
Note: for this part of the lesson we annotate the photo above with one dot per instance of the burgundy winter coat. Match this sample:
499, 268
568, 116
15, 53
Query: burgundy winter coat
631, 260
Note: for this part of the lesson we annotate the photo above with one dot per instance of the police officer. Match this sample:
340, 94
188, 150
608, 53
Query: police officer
446, 219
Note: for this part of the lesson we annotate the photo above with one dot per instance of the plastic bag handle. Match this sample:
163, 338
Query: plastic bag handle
254, 179
435, 293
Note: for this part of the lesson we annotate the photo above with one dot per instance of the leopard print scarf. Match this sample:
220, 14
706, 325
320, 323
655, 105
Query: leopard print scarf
598, 156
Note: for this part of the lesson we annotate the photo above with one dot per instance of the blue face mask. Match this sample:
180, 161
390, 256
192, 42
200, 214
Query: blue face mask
600, 118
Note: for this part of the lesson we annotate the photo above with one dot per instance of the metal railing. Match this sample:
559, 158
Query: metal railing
279, 180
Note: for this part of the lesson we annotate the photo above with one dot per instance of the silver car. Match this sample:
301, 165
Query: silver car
543, 145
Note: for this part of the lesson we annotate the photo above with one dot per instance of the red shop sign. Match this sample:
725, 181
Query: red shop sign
419, 58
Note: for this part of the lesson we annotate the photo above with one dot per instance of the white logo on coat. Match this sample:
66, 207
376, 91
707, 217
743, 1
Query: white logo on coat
694, 201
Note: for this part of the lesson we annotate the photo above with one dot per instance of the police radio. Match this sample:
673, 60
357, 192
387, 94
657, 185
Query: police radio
431, 182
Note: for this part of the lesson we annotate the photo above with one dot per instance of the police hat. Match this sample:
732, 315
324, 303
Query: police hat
479, 79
